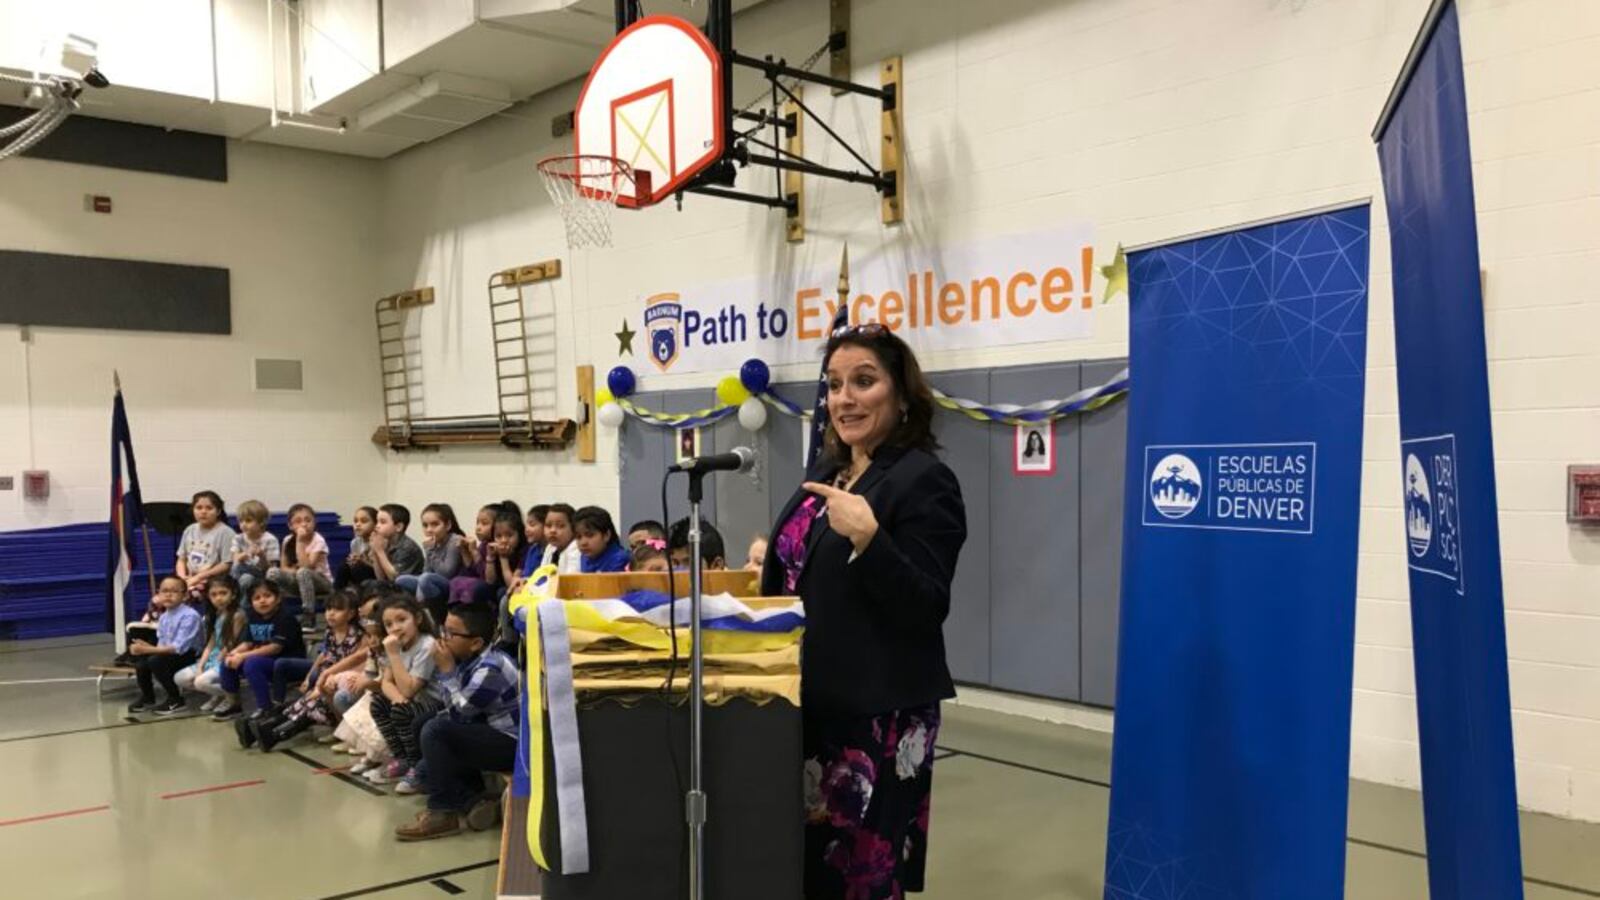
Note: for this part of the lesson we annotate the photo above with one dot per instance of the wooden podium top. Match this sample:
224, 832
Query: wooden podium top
736, 582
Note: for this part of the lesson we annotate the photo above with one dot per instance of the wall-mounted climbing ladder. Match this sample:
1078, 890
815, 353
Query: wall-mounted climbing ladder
395, 363
513, 423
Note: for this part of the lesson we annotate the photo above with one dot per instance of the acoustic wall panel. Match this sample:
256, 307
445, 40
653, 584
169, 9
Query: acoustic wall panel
123, 294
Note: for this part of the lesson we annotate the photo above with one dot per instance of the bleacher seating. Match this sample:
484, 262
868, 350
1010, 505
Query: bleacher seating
53, 580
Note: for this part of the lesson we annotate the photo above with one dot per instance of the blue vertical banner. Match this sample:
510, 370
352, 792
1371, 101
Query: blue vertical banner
1230, 761
1452, 537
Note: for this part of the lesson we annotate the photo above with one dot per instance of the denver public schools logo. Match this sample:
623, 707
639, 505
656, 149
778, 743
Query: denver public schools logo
1175, 486
663, 323
1419, 507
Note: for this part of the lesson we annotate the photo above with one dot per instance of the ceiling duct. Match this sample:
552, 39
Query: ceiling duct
434, 106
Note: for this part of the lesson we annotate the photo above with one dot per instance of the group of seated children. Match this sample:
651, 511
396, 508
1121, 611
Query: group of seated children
415, 673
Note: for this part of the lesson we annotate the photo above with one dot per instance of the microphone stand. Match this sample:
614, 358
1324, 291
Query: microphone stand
695, 800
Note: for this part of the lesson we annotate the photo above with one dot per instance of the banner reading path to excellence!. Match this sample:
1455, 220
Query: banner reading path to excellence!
1008, 289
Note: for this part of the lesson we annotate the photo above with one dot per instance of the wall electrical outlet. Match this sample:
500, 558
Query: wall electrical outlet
8, 483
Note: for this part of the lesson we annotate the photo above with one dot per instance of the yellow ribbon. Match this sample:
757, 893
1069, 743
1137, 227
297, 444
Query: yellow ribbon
534, 591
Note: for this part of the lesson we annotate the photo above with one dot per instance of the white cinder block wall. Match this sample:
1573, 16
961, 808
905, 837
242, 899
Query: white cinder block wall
296, 230
1148, 119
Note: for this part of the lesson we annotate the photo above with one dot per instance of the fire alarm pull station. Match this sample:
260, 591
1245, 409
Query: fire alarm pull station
36, 485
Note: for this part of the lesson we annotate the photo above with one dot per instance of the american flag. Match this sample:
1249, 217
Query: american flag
819, 412
127, 514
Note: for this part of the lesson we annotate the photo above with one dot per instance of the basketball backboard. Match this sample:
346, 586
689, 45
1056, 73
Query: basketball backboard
654, 100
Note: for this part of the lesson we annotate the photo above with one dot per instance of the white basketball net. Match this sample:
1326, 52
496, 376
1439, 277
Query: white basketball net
585, 189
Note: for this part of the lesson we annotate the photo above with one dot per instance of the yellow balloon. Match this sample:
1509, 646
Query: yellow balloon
602, 396
731, 391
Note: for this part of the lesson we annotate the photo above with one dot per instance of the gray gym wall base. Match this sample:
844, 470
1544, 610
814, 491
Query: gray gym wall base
122, 294
1104, 437
1033, 546
966, 447
125, 145
1036, 593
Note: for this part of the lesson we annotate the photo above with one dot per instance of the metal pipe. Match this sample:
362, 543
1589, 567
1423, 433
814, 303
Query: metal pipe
764, 200
779, 70
695, 802
880, 182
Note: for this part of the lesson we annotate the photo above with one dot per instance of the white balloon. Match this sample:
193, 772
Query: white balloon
752, 414
611, 415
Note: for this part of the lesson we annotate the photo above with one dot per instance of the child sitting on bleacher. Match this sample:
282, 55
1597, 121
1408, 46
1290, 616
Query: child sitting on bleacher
403, 702
534, 532
442, 541
204, 549
225, 626
356, 569
506, 549
255, 549
357, 734
475, 732
644, 530
649, 555
558, 537
177, 644
273, 634
303, 572
713, 553
598, 545
341, 649
394, 554
470, 585
504, 568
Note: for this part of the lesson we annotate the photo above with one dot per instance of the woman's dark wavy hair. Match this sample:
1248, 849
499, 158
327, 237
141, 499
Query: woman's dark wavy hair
915, 429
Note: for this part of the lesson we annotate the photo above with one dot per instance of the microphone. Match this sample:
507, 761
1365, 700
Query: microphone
740, 459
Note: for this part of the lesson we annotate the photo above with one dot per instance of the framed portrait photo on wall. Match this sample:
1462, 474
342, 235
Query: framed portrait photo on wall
1034, 452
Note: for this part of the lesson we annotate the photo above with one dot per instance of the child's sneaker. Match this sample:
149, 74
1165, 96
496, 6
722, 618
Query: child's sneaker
410, 784
363, 765
170, 707
388, 773
228, 710
142, 705
211, 705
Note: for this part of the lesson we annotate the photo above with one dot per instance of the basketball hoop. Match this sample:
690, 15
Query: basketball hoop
586, 189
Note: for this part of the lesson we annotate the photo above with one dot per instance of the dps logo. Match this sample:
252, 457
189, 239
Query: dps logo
1175, 486
1433, 507
663, 324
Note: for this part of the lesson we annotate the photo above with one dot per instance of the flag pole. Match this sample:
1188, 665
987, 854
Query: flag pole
144, 526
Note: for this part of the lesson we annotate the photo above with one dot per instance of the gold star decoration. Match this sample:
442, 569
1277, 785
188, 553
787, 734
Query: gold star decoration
1116, 276
625, 339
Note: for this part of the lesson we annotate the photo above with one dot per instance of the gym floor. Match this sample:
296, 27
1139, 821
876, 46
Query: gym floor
97, 806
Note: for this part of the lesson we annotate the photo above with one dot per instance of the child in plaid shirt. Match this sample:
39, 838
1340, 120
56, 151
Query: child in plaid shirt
475, 732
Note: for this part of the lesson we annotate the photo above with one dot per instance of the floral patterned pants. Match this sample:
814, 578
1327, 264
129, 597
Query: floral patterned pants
867, 784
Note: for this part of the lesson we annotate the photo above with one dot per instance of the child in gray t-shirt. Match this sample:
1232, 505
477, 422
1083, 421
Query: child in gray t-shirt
394, 554
206, 546
255, 550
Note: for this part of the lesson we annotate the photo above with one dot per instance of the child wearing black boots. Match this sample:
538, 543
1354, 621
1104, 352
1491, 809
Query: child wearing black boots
340, 651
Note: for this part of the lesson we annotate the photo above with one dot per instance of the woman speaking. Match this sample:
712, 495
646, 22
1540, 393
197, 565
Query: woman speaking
870, 545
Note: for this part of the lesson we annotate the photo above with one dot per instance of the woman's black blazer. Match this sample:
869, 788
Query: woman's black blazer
874, 626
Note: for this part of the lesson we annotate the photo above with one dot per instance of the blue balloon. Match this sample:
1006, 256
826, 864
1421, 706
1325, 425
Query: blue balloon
621, 382
755, 376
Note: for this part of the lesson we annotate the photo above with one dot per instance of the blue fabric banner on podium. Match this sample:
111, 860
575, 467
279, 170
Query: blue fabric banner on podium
1230, 760
1452, 537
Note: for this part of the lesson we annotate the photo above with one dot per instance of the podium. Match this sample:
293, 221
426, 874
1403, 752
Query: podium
634, 753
